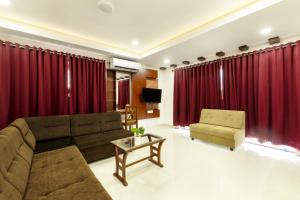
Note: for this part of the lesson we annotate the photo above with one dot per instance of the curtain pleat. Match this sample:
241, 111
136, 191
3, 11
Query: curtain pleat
34, 82
88, 85
195, 88
123, 93
265, 85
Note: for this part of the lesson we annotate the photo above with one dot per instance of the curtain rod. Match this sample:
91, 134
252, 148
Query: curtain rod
239, 55
51, 51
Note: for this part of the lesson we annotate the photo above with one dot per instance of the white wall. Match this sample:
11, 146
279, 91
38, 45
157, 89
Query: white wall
45, 44
166, 83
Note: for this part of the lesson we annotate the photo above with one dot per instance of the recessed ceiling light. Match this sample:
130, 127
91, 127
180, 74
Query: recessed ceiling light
167, 61
266, 31
5, 2
106, 6
135, 43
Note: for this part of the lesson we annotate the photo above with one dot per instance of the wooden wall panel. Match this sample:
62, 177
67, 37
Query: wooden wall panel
152, 83
111, 90
139, 81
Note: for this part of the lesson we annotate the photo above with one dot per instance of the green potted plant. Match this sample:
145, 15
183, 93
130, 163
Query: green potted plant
138, 132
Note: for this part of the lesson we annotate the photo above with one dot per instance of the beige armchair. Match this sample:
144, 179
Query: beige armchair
225, 127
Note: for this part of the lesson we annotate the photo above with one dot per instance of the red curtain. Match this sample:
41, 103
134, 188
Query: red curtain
88, 85
265, 85
32, 82
52, 87
123, 93
195, 88
16, 84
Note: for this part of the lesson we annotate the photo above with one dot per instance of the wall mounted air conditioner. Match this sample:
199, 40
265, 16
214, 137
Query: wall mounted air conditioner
124, 65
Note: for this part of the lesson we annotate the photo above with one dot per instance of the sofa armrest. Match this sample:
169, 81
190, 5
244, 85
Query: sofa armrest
239, 137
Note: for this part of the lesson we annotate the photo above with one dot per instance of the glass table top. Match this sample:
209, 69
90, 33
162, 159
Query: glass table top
132, 143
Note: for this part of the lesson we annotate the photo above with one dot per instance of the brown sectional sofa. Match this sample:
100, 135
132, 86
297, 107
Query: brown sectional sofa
91, 133
61, 173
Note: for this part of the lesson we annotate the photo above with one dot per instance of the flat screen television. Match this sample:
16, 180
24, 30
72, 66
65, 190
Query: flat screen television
150, 95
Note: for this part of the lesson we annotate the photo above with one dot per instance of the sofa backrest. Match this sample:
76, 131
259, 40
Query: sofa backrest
87, 124
27, 134
111, 121
229, 118
16, 157
50, 127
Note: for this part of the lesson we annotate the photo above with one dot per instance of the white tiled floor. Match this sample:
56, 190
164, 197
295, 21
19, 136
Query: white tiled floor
197, 170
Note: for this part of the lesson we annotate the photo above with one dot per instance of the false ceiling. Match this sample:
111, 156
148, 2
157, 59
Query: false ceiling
176, 29
282, 18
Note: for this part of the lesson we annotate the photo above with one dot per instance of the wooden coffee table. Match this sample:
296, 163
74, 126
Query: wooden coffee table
130, 144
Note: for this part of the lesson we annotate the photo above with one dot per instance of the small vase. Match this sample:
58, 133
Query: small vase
138, 139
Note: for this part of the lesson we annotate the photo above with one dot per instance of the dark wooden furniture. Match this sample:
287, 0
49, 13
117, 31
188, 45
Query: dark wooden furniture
121, 111
144, 78
130, 144
130, 117
111, 90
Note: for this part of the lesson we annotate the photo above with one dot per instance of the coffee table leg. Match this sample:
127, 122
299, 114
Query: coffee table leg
156, 154
117, 161
121, 162
124, 169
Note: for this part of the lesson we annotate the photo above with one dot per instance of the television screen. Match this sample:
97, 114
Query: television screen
151, 95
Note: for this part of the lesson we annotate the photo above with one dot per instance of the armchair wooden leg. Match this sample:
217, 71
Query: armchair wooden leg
231, 149
192, 138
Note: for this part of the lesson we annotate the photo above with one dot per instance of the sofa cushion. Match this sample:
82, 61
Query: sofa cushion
92, 140
50, 127
229, 118
85, 124
48, 145
220, 131
26, 132
63, 174
15, 156
7, 191
111, 121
